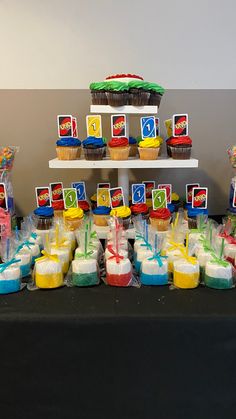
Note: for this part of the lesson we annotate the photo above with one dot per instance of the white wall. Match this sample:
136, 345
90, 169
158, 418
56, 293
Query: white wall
68, 43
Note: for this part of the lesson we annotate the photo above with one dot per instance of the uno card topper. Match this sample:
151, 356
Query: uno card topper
103, 197
148, 127
118, 126
94, 125
70, 198
149, 186
189, 190
81, 191
74, 127
180, 125
157, 120
43, 197
3, 197
168, 125
64, 125
159, 198
199, 197
168, 188
104, 185
56, 191
116, 197
138, 193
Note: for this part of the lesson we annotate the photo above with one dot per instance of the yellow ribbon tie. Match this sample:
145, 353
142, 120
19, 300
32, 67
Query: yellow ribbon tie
175, 246
47, 255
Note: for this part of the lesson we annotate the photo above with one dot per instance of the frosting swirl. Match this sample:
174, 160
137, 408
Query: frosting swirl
174, 197
184, 140
73, 213
121, 212
155, 88
138, 84
44, 211
118, 142
132, 140
116, 86
116, 76
149, 143
84, 205
93, 142
102, 210
68, 142
162, 213
101, 85
139, 209
193, 212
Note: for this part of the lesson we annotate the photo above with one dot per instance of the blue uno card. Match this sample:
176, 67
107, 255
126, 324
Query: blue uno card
81, 192
138, 193
148, 127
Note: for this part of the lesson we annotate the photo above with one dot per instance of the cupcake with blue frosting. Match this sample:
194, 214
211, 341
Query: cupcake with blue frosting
68, 148
133, 150
101, 216
43, 217
94, 148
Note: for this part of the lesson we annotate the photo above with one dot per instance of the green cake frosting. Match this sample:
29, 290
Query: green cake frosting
116, 86
138, 84
101, 85
155, 88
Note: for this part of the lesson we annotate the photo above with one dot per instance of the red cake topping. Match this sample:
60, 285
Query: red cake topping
118, 142
119, 76
162, 213
84, 205
184, 140
58, 205
139, 209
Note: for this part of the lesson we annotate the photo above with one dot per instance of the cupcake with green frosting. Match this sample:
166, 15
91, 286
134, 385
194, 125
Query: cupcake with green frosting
117, 93
156, 93
98, 93
138, 93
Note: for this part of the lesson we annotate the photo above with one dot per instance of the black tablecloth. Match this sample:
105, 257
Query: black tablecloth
118, 353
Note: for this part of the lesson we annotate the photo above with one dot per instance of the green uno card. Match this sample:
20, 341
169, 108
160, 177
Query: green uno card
159, 198
70, 198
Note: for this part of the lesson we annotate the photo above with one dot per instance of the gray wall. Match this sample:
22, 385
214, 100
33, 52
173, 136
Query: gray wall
28, 119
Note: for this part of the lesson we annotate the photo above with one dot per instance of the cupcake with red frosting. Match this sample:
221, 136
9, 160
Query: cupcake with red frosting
84, 205
140, 209
160, 219
58, 207
119, 148
180, 147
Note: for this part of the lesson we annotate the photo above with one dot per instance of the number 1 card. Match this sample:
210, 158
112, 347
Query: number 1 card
138, 193
148, 127
159, 198
70, 198
94, 125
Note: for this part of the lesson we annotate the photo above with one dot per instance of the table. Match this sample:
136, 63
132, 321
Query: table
112, 353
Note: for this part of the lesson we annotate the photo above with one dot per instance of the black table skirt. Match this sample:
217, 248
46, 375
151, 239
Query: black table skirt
118, 353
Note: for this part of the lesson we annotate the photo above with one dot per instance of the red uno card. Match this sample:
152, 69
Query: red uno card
157, 120
64, 124
56, 191
116, 197
3, 197
43, 196
103, 185
168, 188
189, 189
118, 126
180, 125
74, 127
149, 185
199, 197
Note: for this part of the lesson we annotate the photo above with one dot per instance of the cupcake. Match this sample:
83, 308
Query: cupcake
101, 215
58, 208
138, 93
192, 215
119, 148
73, 218
94, 148
180, 147
44, 218
140, 209
160, 219
68, 148
168, 149
124, 213
84, 205
133, 147
149, 149
155, 93
175, 201
117, 93
98, 93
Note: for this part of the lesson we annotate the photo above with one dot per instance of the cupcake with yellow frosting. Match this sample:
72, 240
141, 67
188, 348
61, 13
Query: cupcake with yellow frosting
124, 213
73, 218
149, 148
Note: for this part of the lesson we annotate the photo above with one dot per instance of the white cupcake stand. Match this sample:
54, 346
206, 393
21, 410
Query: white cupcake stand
123, 166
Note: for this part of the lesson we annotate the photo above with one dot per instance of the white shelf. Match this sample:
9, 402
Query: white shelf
131, 163
129, 109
